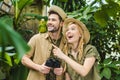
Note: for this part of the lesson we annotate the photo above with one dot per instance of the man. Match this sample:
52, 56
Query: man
41, 48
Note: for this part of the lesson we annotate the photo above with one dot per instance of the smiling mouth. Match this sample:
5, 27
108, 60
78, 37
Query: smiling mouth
50, 28
69, 37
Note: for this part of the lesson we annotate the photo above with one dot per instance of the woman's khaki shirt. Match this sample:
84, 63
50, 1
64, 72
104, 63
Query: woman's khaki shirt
40, 51
89, 51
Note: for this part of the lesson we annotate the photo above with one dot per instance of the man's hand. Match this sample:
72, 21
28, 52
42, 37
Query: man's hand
44, 69
58, 71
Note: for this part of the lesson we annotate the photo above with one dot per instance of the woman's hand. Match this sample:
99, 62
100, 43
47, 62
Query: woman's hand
57, 52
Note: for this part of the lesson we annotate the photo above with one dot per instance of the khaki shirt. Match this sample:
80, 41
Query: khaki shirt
89, 51
40, 52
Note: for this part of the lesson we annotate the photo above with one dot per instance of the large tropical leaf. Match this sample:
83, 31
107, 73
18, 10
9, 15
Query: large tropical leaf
101, 17
107, 12
112, 9
10, 37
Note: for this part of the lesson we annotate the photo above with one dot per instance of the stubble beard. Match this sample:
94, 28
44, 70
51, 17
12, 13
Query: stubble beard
54, 30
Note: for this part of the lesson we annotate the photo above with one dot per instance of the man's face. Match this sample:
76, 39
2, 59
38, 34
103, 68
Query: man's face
53, 23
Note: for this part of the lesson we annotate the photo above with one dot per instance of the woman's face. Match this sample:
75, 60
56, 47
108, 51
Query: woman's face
73, 33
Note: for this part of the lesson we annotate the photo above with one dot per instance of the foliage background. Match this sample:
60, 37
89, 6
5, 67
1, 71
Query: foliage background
102, 17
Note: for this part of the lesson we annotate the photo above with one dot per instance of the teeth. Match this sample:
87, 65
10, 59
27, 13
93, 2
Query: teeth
50, 28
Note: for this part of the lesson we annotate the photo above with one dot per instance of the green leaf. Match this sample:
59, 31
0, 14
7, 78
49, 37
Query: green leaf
23, 3
111, 8
115, 65
107, 12
118, 23
8, 59
63, 0
7, 20
11, 37
101, 17
86, 11
106, 73
107, 61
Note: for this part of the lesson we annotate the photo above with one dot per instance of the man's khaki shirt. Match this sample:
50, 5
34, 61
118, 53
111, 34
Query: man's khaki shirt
40, 52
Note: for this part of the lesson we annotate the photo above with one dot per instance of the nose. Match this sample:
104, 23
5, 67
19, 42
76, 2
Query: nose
67, 32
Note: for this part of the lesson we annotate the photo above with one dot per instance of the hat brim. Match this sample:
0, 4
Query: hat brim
58, 10
82, 25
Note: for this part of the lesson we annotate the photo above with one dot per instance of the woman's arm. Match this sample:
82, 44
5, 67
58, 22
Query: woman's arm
81, 69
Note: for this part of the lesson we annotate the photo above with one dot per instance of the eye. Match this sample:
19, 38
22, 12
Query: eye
53, 19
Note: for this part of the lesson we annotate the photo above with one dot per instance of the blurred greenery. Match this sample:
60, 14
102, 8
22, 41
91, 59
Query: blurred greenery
101, 17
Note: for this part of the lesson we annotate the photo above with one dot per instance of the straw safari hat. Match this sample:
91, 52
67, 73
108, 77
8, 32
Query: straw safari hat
82, 25
58, 10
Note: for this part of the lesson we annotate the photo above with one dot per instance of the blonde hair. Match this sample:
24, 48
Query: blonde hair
81, 42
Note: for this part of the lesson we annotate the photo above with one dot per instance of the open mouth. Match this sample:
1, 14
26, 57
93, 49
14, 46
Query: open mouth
70, 36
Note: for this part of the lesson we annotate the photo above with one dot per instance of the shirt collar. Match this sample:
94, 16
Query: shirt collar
47, 36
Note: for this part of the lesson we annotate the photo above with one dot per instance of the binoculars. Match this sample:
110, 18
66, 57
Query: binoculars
53, 62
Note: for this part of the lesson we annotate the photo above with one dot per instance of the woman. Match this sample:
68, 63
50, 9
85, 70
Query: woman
81, 57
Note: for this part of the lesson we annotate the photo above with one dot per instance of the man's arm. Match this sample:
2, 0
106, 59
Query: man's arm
29, 63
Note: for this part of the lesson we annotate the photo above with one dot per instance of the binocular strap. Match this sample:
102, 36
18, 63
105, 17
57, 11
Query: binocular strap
51, 75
